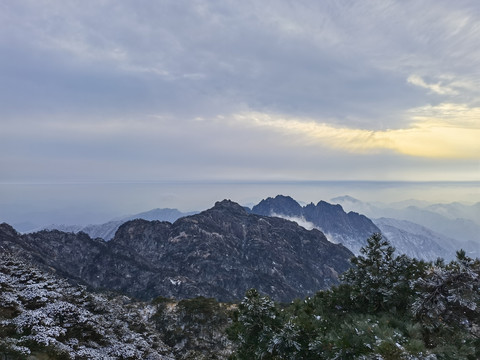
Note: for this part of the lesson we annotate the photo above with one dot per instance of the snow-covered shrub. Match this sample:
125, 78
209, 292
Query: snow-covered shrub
40, 313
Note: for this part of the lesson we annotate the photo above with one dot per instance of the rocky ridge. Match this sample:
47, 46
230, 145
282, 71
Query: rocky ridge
219, 253
350, 229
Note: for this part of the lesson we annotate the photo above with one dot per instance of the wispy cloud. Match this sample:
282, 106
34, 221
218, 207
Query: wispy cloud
447, 114
443, 131
299, 220
438, 88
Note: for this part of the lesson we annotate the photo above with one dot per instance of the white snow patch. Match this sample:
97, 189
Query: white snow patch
175, 281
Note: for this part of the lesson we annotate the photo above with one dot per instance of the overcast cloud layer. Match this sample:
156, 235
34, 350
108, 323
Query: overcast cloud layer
234, 90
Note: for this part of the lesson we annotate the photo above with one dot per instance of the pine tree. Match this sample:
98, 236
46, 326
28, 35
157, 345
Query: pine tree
379, 281
449, 296
257, 323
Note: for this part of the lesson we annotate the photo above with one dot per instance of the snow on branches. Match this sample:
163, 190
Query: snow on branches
40, 313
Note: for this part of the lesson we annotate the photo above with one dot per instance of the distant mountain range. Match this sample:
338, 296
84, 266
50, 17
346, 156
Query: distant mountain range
415, 240
440, 219
416, 228
107, 230
352, 229
220, 253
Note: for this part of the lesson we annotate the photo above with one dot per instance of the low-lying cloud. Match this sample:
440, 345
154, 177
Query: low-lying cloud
299, 220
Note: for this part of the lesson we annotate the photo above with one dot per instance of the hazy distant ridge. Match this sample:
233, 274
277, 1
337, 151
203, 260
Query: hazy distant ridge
440, 219
107, 230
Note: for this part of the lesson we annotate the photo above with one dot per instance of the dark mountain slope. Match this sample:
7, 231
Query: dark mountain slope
70, 254
219, 253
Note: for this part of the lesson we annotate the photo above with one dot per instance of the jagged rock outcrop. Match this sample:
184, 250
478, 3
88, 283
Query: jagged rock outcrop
350, 229
281, 205
218, 253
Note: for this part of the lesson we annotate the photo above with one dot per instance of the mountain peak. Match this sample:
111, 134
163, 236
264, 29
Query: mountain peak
285, 198
345, 198
230, 206
327, 204
281, 204
350, 229
7, 229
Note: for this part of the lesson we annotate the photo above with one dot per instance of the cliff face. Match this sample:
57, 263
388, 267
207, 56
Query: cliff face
350, 229
218, 253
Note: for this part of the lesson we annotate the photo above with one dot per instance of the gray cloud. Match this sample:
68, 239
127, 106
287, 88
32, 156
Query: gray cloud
327, 59
102, 90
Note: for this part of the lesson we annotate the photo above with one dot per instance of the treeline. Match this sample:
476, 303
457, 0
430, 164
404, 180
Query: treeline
386, 307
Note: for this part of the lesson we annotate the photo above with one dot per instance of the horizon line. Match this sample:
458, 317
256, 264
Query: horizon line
246, 182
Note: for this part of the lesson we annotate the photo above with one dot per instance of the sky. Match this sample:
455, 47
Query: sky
131, 91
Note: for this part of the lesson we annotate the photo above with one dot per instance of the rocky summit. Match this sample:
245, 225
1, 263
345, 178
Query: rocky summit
219, 253
350, 229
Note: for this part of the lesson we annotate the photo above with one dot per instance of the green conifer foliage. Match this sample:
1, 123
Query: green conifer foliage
448, 304
258, 322
380, 281
388, 307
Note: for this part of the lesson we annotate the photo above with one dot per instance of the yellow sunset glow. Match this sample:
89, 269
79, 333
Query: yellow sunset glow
445, 131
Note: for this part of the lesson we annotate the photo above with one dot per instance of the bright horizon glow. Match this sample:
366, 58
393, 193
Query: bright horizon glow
430, 136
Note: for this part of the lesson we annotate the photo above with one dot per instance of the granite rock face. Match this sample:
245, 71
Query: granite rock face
220, 253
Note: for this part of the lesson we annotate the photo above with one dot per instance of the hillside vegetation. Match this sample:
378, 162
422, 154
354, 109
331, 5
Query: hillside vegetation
386, 307
44, 317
